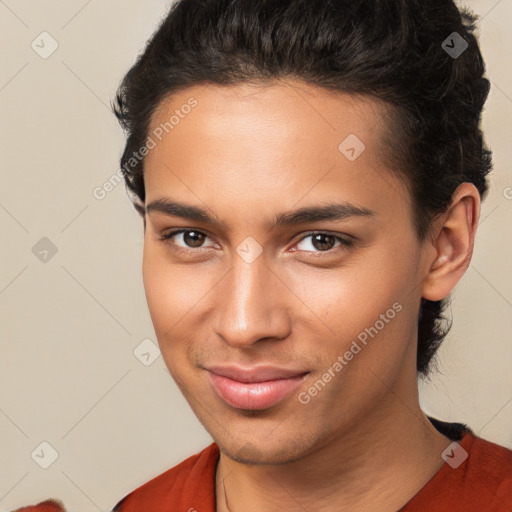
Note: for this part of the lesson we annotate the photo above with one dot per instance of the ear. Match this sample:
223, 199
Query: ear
452, 244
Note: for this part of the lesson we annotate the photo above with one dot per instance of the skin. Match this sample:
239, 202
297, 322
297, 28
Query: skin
245, 154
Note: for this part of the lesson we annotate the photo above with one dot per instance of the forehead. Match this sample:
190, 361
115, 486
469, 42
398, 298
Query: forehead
269, 141
277, 111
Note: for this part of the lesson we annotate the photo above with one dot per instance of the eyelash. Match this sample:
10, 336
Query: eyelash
344, 242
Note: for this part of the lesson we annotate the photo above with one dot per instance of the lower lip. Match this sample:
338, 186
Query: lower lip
254, 395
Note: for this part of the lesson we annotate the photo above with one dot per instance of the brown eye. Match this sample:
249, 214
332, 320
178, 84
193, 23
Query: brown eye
322, 242
193, 238
186, 239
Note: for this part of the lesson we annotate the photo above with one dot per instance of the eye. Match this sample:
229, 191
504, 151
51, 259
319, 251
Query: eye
190, 239
323, 242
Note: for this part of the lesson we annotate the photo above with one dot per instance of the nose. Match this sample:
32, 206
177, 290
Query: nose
251, 305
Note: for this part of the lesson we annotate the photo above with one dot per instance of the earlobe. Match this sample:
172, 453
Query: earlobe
453, 246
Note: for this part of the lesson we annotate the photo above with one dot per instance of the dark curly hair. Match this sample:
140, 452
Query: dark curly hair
391, 50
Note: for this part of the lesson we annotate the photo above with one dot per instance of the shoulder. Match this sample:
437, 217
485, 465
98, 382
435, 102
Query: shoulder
486, 461
476, 476
490, 464
187, 486
483, 481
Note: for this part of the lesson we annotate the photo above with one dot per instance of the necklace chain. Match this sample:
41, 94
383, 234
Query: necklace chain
224, 486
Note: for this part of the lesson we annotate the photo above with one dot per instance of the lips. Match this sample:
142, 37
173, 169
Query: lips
254, 388
255, 374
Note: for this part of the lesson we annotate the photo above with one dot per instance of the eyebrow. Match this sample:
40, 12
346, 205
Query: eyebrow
333, 211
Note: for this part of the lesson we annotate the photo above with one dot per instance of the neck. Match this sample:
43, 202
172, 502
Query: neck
378, 466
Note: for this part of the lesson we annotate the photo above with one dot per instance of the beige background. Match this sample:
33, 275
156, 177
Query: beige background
69, 326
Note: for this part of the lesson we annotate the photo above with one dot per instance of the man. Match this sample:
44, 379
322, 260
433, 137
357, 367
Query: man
310, 176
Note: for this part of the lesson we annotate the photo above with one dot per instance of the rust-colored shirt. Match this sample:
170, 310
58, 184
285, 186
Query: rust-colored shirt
482, 482
476, 477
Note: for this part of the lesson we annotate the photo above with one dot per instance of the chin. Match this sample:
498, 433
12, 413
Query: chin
260, 451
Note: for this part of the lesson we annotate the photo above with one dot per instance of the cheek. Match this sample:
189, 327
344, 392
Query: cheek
169, 297
350, 297
346, 304
164, 289
174, 292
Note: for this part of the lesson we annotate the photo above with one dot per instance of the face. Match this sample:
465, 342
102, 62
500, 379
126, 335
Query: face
330, 296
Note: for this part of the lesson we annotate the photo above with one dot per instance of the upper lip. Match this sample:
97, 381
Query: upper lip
255, 373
